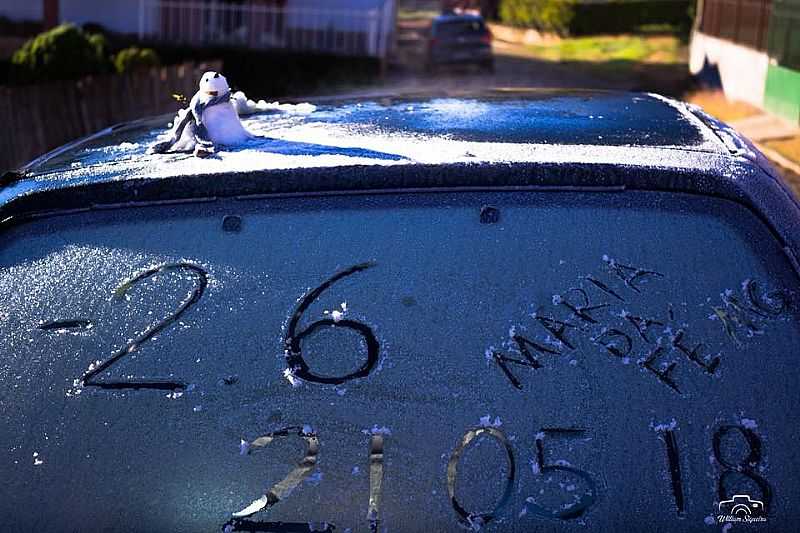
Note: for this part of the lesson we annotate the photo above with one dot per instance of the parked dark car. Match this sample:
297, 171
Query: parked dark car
456, 39
566, 311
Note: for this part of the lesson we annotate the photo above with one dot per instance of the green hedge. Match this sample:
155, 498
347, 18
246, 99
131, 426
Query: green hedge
63, 53
544, 15
616, 16
133, 57
630, 16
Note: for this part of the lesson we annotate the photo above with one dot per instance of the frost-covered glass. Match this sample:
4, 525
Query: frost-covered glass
427, 362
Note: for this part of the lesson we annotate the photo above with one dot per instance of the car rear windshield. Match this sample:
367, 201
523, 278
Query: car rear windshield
423, 362
458, 28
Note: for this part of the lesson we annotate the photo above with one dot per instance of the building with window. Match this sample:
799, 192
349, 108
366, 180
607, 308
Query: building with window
342, 27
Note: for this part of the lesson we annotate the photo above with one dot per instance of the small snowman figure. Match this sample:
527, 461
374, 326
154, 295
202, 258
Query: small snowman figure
211, 120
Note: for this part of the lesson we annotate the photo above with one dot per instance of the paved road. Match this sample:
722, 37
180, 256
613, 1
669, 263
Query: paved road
514, 67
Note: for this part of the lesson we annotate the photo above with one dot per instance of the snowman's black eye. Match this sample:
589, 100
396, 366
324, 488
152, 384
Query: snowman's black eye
216, 75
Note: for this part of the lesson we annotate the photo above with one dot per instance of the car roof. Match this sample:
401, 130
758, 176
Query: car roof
387, 128
590, 140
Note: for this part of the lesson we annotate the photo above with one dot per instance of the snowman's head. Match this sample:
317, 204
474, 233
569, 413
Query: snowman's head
213, 84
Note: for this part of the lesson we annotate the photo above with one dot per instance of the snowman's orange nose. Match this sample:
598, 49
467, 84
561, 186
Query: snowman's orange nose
212, 93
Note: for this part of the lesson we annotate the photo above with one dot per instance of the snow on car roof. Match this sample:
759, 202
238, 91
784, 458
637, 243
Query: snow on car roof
595, 126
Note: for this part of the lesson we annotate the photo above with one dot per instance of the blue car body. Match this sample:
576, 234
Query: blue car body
507, 311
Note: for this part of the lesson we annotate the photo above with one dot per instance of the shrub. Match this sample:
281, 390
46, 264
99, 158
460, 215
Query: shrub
592, 18
133, 58
65, 52
544, 15
94, 27
626, 16
100, 45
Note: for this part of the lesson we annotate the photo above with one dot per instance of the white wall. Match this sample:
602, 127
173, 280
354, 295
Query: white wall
742, 70
22, 9
117, 15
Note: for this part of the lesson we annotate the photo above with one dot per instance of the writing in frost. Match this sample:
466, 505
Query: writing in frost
741, 314
555, 489
596, 311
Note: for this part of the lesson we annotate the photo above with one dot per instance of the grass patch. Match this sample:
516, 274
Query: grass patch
642, 62
662, 49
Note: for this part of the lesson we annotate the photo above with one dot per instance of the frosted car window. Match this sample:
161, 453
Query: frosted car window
509, 361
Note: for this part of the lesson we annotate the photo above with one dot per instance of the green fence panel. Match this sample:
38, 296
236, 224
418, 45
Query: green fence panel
782, 93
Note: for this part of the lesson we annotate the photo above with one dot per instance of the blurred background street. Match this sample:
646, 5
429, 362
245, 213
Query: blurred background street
97, 63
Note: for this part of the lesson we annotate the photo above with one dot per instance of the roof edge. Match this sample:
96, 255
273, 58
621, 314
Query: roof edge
761, 194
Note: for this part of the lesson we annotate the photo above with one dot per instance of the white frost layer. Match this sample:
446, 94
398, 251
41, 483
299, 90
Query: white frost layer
665, 426
245, 106
486, 421
281, 152
300, 136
